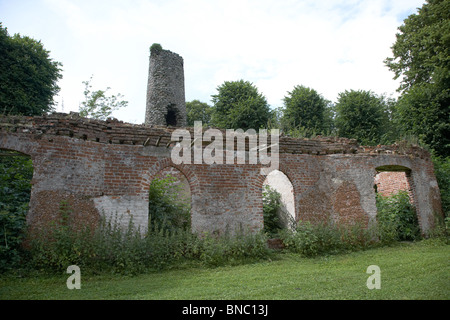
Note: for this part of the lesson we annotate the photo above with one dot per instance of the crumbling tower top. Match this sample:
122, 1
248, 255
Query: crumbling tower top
166, 103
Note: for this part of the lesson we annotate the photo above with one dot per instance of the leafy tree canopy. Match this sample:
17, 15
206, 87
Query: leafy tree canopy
362, 115
97, 104
304, 107
422, 46
28, 76
424, 112
421, 56
239, 105
198, 111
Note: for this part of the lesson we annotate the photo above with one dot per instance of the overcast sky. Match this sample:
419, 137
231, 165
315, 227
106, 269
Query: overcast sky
328, 45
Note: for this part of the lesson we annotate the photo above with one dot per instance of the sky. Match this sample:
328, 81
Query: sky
327, 45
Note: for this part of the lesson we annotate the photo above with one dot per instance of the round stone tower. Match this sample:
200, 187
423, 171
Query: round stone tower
166, 103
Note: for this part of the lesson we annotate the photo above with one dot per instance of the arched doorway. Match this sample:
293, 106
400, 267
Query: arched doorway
278, 202
170, 200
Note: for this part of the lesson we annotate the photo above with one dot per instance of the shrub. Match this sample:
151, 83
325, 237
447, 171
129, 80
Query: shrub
397, 218
312, 239
166, 208
110, 248
155, 48
12, 225
276, 218
442, 170
57, 245
271, 207
322, 238
15, 188
233, 248
359, 236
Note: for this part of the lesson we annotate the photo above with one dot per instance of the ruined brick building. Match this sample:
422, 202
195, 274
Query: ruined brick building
105, 168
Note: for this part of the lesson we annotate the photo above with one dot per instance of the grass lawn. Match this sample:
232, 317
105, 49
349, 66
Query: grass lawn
408, 271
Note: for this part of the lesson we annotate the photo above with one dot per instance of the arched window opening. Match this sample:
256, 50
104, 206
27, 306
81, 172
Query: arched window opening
278, 203
170, 200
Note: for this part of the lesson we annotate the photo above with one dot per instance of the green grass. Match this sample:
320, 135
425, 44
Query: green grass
408, 271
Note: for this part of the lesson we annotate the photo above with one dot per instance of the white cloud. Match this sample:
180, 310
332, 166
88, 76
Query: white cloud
328, 45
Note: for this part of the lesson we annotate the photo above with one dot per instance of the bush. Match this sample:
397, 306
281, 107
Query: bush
322, 238
271, 207
15, 188
12, 226
397, 218
155, 48
166, 208
233, 249
110, 248
442, 171
275, 217
313, 239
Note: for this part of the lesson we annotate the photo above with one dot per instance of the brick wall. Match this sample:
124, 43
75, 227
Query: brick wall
105, 168
391, 182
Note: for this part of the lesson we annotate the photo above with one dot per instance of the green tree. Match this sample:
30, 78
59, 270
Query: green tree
421, 56
198, 111
362, 115
306, 108
442, 171
422, 46
28, 76
239, 105
97, 104
275, 118
424, 112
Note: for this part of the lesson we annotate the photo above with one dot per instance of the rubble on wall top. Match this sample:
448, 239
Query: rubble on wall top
113, 131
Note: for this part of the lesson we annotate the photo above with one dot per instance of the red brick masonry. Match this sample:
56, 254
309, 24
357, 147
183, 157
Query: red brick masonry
105, 168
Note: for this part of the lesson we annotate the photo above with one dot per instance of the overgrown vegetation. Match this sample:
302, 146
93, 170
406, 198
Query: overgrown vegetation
168, 242
324, 238
109, 248
442, 172
275, 217
16, 172
155, 48
167, 207
397, 218
396, 221
271, 206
